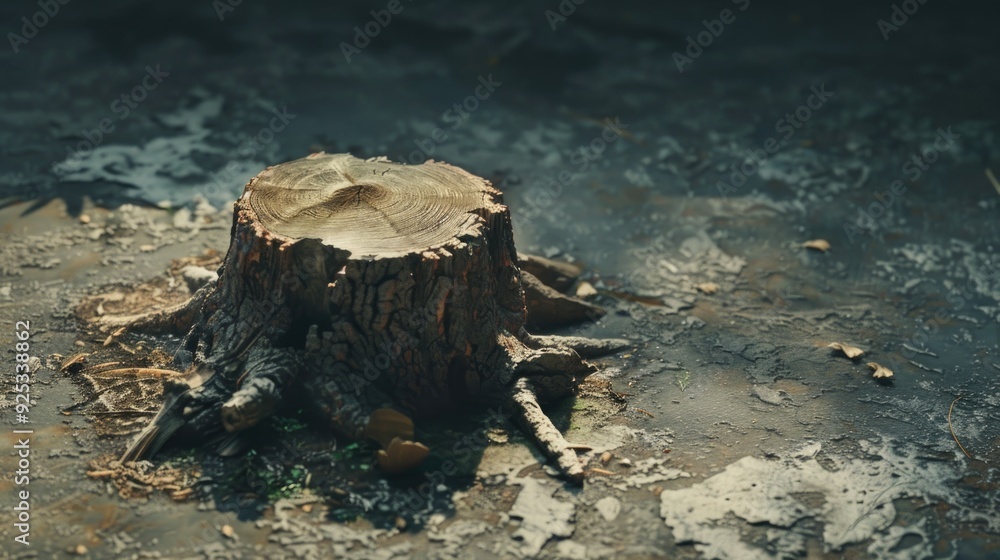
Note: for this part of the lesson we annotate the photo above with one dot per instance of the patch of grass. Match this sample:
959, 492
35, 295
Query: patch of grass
353, 457
683, 379
282, 483
289, 485
270, 479
348, 452
286, 424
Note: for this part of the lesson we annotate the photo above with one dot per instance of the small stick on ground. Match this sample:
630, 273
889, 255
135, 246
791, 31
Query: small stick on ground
919, 351
952, 430
646, 412
151, 372
103, 365
993, 179
549, 439
101, 474
925, 368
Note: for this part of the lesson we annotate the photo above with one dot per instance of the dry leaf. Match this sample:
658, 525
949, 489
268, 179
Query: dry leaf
74, 363
386, 424
586, 290
707, 287
401, 456
817, 244
879, 371
851, 352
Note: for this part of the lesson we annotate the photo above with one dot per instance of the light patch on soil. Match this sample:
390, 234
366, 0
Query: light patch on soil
856, 499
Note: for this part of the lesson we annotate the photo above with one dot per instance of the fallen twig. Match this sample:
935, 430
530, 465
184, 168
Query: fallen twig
952, 430
153, 372
101, 474
993, 179
94, 368
919, 351
925, 368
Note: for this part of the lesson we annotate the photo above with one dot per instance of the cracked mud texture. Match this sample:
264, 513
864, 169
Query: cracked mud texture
737, 385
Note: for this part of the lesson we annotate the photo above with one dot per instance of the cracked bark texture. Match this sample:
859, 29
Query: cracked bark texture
358, 284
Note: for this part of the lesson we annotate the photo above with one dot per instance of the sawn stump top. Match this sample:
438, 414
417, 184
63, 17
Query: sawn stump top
371, 208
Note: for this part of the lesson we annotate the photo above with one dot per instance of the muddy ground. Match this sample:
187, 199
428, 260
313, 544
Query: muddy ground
733, 431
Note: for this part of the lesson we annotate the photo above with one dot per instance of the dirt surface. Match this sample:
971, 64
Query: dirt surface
728, 430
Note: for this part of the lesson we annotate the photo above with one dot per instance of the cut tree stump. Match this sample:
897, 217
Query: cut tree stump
355, 285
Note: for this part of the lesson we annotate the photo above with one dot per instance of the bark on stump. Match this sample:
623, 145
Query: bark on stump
361, 284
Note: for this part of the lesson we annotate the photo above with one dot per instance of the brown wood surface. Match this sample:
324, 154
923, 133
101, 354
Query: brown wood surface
361, 284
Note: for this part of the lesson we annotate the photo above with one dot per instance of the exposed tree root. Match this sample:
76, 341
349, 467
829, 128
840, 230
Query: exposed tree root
175, 320
585, 347
548, 308
557, 274
529, 413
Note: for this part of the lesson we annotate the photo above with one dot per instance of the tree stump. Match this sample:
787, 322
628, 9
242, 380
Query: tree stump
356, 285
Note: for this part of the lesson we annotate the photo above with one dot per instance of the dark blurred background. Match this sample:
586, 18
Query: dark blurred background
560, 69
